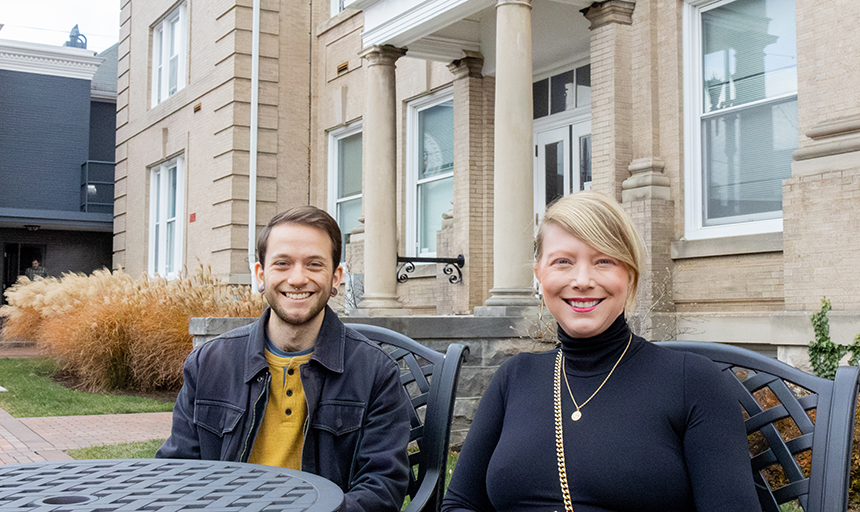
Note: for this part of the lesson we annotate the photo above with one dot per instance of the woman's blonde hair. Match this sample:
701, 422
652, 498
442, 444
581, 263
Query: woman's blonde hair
599, 221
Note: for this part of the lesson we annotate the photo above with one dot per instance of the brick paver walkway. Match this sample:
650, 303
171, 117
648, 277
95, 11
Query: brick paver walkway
44, 439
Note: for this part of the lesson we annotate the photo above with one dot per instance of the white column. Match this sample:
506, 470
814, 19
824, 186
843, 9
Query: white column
379, 148
513, 196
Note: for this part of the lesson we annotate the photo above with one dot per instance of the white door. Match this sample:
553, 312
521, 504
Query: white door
562, 163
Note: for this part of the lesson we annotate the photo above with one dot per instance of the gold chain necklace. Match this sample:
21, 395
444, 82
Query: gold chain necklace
559, 427
559, 436
577, 414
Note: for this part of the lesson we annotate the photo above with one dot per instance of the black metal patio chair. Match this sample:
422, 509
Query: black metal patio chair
823, 438
430, 379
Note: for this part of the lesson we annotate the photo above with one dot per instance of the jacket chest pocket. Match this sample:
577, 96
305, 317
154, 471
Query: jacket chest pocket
338, 416
217, 417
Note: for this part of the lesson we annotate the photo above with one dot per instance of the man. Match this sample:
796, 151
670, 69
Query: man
297, 388
36, 271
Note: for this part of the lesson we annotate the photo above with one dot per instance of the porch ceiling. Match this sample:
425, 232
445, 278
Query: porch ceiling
441, 30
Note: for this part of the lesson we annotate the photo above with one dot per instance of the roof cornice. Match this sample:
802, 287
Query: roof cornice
46, 59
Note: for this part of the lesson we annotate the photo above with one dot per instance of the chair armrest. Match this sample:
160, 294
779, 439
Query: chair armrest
840, 434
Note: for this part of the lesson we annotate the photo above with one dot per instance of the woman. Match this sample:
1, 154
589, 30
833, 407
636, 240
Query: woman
609, 422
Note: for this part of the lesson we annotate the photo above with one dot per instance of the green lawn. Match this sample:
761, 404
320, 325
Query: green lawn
137, 450
32, 393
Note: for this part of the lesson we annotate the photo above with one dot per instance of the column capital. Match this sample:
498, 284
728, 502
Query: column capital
611, 11
469, 66
381, 55
524, 3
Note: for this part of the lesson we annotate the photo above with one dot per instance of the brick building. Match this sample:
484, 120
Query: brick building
730, 129
58, 107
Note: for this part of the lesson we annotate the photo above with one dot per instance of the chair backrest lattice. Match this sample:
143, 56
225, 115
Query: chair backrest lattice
800, 426
430, 380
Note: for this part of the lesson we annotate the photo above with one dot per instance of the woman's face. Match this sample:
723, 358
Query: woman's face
584, 289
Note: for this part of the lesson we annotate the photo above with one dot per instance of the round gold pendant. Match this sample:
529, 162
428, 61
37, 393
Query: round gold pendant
576, 415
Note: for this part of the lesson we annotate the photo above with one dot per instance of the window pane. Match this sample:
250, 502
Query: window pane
99, 193
157, 191
746, 155
171, 193
585, 163
554, 166
157, 238
349, 166
348, 213
170, 229
749, 52
540, 98
583, 86
434, 199
436, 140
563, 94
173, 25
174, 75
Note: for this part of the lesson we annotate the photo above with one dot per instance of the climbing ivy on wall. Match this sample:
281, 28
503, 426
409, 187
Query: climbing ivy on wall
824, 354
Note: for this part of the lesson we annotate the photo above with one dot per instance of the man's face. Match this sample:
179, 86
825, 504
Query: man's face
35, 263
299, 272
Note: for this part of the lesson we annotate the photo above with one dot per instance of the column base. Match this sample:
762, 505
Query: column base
510, 302
378, 304
377, 312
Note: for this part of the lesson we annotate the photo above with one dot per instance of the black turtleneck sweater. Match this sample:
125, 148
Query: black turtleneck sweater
662, 435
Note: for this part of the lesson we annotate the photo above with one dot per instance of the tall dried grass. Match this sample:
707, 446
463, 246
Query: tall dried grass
117, 332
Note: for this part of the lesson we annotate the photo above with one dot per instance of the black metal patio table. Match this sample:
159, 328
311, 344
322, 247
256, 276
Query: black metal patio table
162, 485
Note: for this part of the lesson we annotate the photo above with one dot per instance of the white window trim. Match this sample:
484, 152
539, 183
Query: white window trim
334, 159
694, 228
412, 167
180, 13
179, 241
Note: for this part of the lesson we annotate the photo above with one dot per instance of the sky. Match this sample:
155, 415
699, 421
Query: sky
50, 21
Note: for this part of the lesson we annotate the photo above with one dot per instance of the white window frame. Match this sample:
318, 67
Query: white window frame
333, 166
412, 111
337, 6
158, 190
694, 228
161, 53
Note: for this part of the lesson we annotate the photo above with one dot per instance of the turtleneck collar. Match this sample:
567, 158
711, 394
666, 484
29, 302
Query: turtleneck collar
595, 355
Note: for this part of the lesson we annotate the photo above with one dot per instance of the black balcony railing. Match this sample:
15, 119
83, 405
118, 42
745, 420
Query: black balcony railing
97, 181
451, 269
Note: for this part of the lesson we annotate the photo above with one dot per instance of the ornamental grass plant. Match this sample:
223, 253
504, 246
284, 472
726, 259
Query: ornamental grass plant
117, 332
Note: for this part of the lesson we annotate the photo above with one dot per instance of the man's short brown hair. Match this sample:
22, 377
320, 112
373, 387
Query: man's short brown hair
304, 216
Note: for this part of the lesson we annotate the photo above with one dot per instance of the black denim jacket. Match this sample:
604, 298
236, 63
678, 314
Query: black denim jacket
357, 427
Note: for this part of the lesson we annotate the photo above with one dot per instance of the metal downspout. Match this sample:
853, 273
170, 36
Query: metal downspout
252, 168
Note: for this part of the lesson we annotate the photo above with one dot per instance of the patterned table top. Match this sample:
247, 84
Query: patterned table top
162, 485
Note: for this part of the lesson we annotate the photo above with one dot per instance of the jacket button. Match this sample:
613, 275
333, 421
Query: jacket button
260, 379
338, 423
289, 411
289, 392
290, 371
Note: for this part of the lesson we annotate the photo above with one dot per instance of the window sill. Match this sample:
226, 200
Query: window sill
726, 246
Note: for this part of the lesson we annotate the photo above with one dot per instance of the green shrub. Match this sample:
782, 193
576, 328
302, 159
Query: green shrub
116, 332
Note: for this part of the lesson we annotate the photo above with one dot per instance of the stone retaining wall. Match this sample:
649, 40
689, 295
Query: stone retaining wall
491, 340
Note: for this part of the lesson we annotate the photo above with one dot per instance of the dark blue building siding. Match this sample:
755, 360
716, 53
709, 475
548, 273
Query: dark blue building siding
44, 139
102, 131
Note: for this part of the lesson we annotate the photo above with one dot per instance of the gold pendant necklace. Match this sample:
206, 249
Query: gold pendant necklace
577, 414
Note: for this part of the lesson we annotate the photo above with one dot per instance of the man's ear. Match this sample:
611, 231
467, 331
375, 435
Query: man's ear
258, 272
337, 277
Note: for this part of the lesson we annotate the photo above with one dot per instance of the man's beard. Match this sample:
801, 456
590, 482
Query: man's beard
296, 319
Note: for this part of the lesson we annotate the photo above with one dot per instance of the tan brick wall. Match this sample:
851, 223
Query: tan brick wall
611, 107
822, 246
215, 140
748, 282
828, 56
